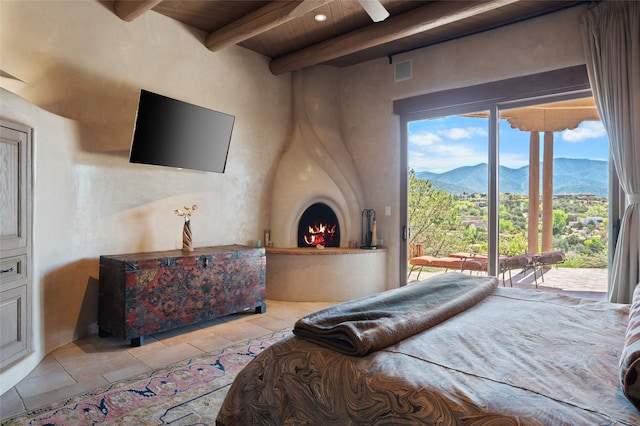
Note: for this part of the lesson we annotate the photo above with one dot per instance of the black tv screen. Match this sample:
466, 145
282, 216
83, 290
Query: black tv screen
173, 133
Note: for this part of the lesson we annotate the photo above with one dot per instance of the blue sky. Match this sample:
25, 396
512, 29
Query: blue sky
443, 144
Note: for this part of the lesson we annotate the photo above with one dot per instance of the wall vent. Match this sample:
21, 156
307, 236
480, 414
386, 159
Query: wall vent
403, 70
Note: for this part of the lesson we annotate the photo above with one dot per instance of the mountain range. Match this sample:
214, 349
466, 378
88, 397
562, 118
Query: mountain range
570, 176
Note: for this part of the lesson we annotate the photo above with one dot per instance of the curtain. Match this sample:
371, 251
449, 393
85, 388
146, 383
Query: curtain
611, 40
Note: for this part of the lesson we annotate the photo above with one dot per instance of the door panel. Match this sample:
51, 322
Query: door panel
15, 242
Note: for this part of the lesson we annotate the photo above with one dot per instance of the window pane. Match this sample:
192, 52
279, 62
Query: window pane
447, 159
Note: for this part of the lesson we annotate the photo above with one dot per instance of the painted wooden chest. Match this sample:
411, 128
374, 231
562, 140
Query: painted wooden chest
145, 293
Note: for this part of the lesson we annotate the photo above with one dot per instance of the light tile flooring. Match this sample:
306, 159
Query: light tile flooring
92, 362
590, 283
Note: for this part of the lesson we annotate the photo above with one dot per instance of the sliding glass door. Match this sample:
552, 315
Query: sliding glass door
487, 100
520, 178
448, 188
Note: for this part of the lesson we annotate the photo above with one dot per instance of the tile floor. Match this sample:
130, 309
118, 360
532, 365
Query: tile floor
590, 283
92, 362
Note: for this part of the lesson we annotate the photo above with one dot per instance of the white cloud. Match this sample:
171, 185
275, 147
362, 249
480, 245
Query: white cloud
457, 133
445, 149
446, 156
586, 130
424, 139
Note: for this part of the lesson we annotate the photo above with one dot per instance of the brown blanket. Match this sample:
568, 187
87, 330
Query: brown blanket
361, 326
518, 357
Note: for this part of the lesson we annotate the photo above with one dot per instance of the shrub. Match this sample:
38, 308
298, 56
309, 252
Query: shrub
598, 260
573, 260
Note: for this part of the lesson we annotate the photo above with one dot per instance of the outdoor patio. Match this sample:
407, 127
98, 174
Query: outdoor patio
590, 283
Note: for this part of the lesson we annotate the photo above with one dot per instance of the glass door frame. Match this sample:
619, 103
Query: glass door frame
551, 86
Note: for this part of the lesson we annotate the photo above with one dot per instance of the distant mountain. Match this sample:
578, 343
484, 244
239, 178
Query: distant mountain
570, 176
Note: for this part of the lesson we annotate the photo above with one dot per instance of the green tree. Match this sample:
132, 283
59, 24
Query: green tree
506, 226
559, 221
445, 223
597, 209
433, 218
573, 239
593, 245
511, 245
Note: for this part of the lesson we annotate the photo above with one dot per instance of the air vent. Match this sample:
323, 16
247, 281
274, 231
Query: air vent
403, 70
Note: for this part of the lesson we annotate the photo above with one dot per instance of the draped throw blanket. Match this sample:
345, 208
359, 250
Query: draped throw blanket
362, 326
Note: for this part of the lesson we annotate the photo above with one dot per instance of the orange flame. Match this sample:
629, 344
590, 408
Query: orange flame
318, 234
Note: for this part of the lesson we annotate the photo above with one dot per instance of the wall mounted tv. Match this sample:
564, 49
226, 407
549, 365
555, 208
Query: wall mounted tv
173, 133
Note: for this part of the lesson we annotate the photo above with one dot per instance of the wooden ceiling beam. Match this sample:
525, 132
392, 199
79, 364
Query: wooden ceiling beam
128, 10
261, 20
423, 19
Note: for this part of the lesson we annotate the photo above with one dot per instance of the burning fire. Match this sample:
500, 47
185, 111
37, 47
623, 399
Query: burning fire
320, 234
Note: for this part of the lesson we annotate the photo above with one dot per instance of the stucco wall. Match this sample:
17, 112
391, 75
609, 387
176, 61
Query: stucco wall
372, 131
81, 69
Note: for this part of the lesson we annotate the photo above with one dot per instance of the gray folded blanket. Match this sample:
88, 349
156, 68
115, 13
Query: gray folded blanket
361, 326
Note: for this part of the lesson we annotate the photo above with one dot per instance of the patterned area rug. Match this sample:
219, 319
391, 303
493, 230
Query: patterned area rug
187, 393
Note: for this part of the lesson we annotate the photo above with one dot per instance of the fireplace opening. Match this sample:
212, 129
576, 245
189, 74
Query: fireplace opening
318, 226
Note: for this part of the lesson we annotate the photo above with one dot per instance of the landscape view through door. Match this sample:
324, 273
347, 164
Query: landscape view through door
553, 182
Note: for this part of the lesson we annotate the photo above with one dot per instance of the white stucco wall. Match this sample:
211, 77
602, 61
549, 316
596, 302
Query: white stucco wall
81, 69
372, 131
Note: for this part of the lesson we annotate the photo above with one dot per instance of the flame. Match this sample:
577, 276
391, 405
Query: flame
319, 234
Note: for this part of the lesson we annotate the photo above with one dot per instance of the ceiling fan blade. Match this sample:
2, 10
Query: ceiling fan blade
375, 9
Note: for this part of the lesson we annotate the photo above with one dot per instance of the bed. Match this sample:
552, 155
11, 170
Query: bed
453, 349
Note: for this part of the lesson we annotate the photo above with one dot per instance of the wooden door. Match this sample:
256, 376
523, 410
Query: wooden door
15, 242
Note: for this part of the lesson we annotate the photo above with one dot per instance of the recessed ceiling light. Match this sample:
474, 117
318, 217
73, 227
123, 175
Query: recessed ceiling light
320, 17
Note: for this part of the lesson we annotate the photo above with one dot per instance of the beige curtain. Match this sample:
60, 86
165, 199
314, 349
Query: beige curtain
611, 40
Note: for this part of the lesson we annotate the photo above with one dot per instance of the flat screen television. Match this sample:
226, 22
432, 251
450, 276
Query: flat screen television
173, 133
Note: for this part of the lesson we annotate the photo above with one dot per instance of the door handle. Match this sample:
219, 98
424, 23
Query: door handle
406, 233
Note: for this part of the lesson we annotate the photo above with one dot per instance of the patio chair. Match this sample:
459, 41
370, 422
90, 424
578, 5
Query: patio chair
520, 261
474, 265
547, 259
435, 262
419, 262
472, 261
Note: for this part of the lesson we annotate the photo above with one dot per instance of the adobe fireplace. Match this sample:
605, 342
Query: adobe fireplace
317, 166
318, 226
316, 204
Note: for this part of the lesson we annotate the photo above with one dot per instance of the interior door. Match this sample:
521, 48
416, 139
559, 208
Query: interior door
15, 242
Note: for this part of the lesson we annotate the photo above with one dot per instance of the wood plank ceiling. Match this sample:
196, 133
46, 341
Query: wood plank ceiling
287, 33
